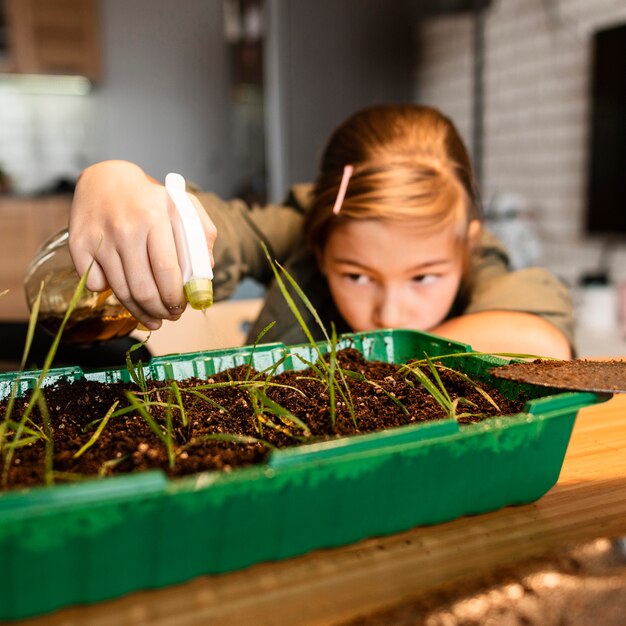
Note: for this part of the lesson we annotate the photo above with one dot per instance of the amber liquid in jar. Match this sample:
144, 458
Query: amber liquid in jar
90, 328
96, 317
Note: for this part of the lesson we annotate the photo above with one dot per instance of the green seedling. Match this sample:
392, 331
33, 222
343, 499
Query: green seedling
252, 383
165, 437
328, 370
270, 370
136, 370
504, 355
332, 369
96, 435
256, 343
36, 397
436, 387
360, 377
255, 388
179, 402
48, 440
205, 398
107, 466
474, 384
262, 404
26, 351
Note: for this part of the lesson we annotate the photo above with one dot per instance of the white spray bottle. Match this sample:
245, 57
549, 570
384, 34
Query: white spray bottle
191, 245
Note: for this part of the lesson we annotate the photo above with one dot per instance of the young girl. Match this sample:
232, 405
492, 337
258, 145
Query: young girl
388, 237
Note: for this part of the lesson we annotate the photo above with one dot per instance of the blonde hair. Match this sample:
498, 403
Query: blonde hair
409, 164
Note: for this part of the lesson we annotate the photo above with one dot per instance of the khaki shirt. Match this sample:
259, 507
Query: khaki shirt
239, 254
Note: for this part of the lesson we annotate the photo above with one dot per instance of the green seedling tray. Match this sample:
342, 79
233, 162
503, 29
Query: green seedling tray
91, 541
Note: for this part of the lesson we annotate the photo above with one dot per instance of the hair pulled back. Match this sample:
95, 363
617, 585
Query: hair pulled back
409, 163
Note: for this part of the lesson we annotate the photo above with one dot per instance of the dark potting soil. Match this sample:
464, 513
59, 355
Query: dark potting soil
577, 374
383, 398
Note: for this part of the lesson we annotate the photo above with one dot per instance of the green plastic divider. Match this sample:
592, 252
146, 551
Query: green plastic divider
571, 401
317, 452
68, 495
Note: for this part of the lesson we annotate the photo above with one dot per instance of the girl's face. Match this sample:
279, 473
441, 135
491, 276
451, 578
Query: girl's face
385, 274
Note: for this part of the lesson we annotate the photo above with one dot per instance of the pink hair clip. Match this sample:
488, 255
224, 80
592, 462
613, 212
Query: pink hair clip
343, 187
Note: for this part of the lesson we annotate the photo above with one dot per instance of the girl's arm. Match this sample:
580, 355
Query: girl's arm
242, 229
120, 217
525, 311
507, 331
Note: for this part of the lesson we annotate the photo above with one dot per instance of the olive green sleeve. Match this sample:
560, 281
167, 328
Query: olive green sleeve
241, 229
530, 290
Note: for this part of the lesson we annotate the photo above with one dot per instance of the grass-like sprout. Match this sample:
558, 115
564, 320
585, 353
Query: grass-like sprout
437, 388
255, 387
505, 355
48, 440
204, 398
262, 407
165, 435
473, 383
361, 377
256, 343
136, 370
327, 371
262, 404
179, 402
36, 398
111, 464
6, 422
101, 426
31, 436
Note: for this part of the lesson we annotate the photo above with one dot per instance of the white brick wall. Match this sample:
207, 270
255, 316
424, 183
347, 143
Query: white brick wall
536, 110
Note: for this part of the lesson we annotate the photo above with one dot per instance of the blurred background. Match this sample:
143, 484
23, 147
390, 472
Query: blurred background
240, 96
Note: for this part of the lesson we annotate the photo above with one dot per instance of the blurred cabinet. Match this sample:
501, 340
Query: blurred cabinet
50, 37
25, 224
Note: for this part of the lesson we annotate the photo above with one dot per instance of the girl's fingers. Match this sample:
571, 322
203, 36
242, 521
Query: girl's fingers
109, 271
161, 250
117, 275
83, 259
140, 282
96, 281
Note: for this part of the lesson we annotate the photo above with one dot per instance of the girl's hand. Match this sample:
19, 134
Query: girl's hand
120, 218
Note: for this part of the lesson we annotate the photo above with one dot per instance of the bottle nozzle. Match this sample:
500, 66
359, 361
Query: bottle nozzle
199, 293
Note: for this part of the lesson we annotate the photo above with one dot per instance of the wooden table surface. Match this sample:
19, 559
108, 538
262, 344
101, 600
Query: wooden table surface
330, 586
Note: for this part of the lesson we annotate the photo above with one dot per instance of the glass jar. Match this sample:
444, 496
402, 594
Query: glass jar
97, 317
